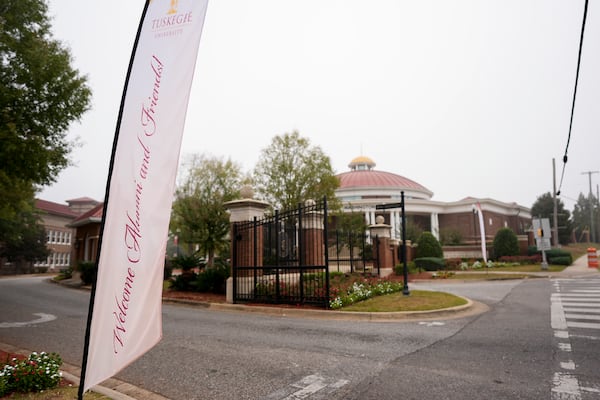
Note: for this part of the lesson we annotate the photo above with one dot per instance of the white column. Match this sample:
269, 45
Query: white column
435, 225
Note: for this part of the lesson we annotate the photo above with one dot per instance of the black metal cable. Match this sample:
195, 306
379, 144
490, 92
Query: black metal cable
562, 175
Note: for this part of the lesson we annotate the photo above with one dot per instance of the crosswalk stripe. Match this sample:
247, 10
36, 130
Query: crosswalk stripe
587, 325
586, 291
585, 310
583, 316
567, 304
588, 299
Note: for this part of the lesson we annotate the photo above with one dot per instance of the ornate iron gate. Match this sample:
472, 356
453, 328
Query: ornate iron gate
282, 258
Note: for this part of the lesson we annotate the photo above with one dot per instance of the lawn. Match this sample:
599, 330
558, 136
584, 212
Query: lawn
418, 300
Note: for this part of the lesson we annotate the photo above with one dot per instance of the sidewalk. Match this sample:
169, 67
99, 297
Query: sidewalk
578, 269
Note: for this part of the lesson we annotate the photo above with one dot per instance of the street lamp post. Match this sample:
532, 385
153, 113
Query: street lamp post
405, 290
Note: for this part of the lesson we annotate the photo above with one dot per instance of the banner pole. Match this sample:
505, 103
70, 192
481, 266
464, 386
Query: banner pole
104, 207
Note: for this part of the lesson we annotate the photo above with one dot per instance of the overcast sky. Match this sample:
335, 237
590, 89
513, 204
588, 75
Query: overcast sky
466, 97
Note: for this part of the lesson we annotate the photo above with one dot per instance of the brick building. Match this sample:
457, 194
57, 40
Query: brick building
363, 187
60, 235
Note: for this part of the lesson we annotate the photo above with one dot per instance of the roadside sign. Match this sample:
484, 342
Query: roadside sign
543, 244
388, 206
542, 233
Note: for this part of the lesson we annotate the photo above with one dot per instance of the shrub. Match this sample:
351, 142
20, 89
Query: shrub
554, 256
88, 271
184, 282
213, 279
187, 263
429, 263
563, 260
36, 373
532, 250
66, 273
506, 243
521, 259
410, 266
428, 246
559, 253
3, 385
453, 263
335, 274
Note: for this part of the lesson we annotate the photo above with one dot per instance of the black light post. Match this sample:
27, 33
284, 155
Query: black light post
405, 290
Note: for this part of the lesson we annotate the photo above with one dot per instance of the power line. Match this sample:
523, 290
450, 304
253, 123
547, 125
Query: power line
574, 95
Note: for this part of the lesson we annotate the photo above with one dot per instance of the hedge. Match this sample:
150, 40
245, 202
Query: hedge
429, 263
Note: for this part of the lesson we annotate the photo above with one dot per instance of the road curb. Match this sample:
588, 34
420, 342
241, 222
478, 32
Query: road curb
452, 312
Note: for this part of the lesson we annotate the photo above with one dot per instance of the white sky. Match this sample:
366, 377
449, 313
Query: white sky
466, 97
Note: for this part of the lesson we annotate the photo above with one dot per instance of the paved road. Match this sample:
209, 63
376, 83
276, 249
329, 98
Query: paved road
505, 353
513, 351
576, 325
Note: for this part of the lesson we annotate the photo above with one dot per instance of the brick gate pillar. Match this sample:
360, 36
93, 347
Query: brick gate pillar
244, 211
384, 250
312, 237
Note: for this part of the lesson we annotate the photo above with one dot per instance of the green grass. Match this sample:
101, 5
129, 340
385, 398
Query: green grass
579, 249
489, 276
531, 268
418, 300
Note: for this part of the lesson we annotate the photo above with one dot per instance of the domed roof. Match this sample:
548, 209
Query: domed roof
382, 179
361, 161
362, 176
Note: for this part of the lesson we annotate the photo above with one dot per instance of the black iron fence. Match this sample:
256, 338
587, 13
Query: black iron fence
352, 251
282, 258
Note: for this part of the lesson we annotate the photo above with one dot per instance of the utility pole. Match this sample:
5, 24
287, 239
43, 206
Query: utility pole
592, 228
555, 214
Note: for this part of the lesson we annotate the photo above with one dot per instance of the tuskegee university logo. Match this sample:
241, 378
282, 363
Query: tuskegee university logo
173, 9
174, 19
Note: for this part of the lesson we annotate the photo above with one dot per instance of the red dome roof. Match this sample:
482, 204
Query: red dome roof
380, 179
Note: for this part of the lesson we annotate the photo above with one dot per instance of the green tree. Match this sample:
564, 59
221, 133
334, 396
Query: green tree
544, 208
349, 228
291, 171
413, 229
40, 95
198, 215
581, 215
26, 242
428, 246
451, 236
506, 243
